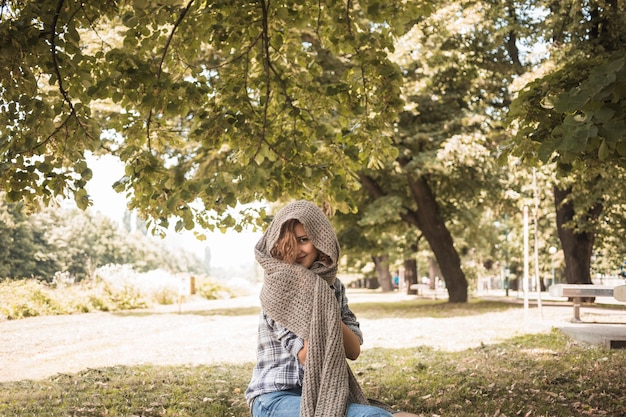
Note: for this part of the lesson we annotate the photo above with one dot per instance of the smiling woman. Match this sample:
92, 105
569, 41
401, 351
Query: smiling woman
306, 329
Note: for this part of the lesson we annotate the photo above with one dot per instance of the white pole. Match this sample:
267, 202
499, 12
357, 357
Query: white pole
536, 255
525, 285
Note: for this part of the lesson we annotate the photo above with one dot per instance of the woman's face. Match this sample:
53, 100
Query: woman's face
307, 253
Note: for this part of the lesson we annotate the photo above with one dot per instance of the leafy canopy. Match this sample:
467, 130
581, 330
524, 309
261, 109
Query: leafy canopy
569, 117
208, 103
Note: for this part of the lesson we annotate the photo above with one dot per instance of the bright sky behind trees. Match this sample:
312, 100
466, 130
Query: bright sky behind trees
229, 251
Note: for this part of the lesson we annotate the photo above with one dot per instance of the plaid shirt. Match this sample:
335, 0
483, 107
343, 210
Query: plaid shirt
277, 367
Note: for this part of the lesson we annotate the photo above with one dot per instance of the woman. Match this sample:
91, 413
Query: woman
306, 329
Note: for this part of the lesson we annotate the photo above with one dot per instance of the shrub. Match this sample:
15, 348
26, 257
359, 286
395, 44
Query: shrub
164, 296
22, 298
211, 290
114, 288
124, 297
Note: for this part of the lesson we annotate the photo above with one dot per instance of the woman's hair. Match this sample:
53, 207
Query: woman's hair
286, 247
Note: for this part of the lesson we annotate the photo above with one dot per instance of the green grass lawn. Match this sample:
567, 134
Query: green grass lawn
542, 375
427, 308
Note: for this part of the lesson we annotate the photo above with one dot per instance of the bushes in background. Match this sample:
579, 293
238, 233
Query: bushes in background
114, 288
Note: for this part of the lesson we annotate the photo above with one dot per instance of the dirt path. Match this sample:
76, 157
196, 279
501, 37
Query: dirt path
40, 347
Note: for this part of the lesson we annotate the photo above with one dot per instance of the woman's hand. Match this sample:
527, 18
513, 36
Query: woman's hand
302, 353
351, 342
351, 345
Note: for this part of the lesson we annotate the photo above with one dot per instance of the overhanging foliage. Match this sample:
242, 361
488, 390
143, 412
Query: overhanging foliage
208, 103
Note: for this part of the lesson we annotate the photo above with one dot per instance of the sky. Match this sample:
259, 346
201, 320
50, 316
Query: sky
229, 251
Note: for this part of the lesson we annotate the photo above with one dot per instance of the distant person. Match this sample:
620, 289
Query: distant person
301, 367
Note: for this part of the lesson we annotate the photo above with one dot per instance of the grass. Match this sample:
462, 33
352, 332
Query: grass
426, 308
539, 375
372, 310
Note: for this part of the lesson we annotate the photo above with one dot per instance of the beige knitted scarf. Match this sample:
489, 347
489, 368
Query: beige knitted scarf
303, 301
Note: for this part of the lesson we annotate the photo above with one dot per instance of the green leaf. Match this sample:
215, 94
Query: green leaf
277, 40
545, 151
603, 151
614, 130
13, 196
570, 103
129, 19
604, 114
87, 174
200, 85
82, 199
120, 185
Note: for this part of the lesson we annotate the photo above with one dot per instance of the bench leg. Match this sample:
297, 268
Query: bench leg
576, 304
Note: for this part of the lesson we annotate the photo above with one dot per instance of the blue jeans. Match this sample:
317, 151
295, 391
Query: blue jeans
287, 404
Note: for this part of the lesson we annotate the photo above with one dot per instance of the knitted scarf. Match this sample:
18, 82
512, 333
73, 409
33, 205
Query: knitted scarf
303, 301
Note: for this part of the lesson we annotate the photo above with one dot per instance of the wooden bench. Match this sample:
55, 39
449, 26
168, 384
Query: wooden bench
579, 291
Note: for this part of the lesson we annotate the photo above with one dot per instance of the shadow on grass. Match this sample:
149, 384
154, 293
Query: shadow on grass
536, 375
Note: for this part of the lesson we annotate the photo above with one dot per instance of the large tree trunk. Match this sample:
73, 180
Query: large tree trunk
410, 275
577, 246
382, 270
428, 219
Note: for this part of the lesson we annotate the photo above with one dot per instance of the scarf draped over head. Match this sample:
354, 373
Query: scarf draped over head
303, 301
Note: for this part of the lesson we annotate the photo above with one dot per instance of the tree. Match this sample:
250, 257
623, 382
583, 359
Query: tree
457, 66
77, 242
23, 249
572, 116
209, 104
374, 234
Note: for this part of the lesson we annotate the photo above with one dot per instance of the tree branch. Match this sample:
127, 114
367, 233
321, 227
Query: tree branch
162, 62
266, 67
348, 5
269, 70
361, 66
376, 191
55, 62
511, 41
371, 185
57, 71
319, 19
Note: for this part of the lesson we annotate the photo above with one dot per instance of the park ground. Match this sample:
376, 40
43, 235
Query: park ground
208, 332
